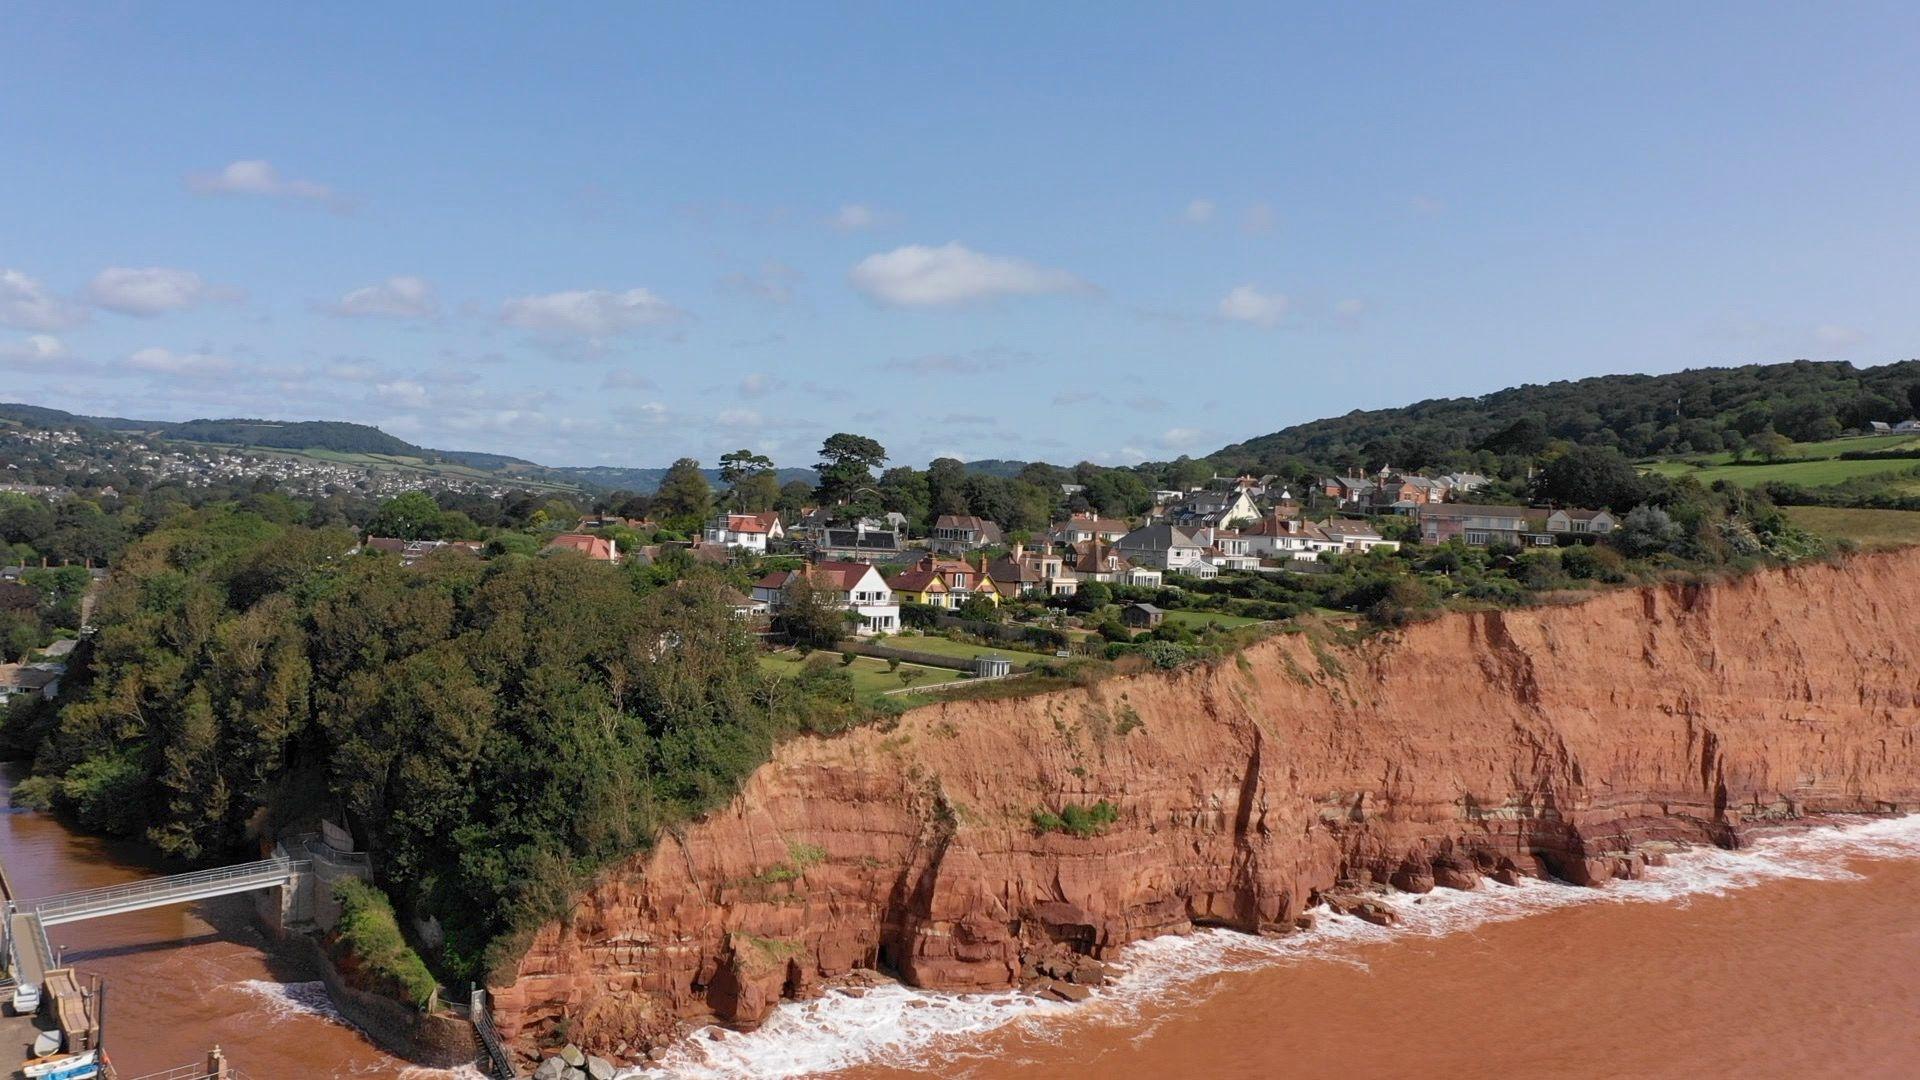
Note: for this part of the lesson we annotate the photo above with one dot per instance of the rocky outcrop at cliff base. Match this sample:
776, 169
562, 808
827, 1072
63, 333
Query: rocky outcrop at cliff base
1570, 741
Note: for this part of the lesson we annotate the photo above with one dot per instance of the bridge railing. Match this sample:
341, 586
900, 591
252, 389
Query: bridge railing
266, 872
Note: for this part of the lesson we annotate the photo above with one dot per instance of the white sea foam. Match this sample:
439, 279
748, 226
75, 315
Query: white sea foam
910, 1029
281, 1000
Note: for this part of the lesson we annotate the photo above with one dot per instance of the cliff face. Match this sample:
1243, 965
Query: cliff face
1552, 740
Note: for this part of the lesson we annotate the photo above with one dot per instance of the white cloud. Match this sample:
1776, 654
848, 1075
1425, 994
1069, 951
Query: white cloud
35, 351
756, 384
402, 297
25, 304
589, 313
1259, 218
1246, 303
1833, 336
150, 290
653, 412
1200, 211
1179, 438
739, 418
405, 393
158, 361
255, 177
857, 217
921, 276
1351, 308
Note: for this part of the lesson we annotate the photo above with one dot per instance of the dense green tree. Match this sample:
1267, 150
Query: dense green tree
737, 470
684, 498
846, 475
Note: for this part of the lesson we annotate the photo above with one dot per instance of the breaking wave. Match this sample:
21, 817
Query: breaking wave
916, 1029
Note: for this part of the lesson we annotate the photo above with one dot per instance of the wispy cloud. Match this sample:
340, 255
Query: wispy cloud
260, 178
1200, 211
859, 217
1258, 219
26, 304
38, 350
920, 276
1248, 304
589, 313
152, 290
402, 297
198, 365
774, 282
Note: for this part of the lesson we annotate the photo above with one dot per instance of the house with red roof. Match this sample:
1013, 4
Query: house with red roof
752, 532
596, 548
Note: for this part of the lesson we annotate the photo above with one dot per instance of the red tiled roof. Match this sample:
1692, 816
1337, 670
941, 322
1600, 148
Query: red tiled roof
593, 547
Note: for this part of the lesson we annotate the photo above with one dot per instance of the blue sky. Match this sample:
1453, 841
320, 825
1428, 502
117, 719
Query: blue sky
620, 234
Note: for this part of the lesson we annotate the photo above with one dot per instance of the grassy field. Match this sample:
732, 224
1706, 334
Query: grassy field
1198, 619
1829, 470
1868, 528
939, 646
870, 676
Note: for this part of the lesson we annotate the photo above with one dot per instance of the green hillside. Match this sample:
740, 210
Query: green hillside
1701, 411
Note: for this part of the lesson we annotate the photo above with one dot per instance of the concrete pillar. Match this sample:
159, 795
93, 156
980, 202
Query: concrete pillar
217, 1065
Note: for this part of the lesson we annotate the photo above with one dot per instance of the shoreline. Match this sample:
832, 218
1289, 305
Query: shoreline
903, 1028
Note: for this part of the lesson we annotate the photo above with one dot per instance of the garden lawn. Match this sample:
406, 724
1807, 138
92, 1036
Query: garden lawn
960, 650
870, 676
1198, 619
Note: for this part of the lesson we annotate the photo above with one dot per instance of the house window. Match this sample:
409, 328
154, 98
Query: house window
1478, 538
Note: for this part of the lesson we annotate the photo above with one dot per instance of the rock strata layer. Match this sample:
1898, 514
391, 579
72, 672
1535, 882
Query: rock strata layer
1581, 741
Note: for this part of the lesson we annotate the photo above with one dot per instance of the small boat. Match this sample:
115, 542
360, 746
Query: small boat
82, 1066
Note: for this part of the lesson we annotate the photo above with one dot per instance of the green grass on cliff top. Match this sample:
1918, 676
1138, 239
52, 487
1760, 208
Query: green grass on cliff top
1707, 468
1868, 528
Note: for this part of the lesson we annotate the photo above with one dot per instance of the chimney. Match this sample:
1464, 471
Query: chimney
1019, 551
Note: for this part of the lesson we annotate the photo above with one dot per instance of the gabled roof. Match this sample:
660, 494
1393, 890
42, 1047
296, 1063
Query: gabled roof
919, 581
1156, 538
748, 523
593, 547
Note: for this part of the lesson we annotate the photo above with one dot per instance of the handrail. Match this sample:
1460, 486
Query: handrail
269, 867
265, 872
500, 1063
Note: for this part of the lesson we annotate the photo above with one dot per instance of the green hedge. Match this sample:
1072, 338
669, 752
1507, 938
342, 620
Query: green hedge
368, 940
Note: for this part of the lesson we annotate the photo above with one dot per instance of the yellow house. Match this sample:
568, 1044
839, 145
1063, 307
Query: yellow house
920, 586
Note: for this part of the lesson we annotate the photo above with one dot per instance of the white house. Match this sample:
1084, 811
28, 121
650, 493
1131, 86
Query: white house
1581, 522
1227, 549
855, 586
752, 532
1164, 546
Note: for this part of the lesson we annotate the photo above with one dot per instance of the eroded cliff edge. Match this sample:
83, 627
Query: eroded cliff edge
1550, 740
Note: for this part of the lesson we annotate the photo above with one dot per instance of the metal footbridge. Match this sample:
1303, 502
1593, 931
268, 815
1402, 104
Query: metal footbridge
27, 920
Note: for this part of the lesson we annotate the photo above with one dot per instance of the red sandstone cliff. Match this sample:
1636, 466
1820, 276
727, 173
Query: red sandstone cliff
1547, 740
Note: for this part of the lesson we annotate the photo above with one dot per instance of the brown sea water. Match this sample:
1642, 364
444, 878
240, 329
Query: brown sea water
185, 978
1798, 957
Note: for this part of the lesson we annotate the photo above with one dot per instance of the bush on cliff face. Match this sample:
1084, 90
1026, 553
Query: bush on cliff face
1081, 821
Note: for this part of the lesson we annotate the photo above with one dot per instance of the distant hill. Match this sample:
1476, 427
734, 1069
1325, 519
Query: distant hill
646, 481
1702, 410
333, 435
41, 416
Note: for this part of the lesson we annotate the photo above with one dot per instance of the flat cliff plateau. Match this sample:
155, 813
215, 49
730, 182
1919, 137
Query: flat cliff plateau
1576, 741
